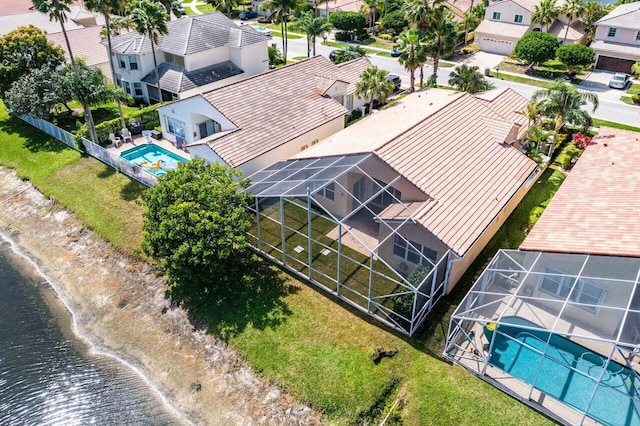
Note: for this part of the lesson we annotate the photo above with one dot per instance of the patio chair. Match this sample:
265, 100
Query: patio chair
126, 134
115, 140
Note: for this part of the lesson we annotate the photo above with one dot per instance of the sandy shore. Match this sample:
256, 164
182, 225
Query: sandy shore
118, 304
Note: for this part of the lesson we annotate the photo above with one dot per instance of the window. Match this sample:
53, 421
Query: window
126, 86
133, 62
387, 196
517, 19
175, 127
612, 32
496, 16
638, 36
410, 251
118, 80
209, 127
122, 62
170, 58
137, 89
328, 192
585, 292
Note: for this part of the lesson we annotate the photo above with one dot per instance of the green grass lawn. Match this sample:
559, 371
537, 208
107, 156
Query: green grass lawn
523, 80
206, 8
550, 70
302, 339
597, 123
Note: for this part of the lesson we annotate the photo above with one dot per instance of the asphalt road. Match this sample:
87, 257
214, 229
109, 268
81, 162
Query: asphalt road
610, 108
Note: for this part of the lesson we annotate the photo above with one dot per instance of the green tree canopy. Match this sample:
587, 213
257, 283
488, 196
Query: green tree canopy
537, 47
545, 13
575, 56
280, 11
35, 94
394, 22
24, 50
349, 53
196, 224
313, 27
373, 85
468, 79
352, 22
412, 54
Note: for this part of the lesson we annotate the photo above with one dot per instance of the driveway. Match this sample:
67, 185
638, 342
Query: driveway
483, 59
598, 82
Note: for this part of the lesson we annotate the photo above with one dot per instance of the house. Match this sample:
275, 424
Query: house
617, 39
418, 188
506, 21
198, 54
569, 296
85, 43
269, 117
13, 15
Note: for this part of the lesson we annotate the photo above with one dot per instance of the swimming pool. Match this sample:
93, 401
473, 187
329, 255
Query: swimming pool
569, 372
153, 158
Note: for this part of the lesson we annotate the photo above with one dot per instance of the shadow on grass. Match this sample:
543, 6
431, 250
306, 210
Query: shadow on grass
106, 172
257, 300
132, 190
34, 139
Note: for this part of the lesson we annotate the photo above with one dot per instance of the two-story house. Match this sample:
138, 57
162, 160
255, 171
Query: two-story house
506, 21
198, 54
617, 39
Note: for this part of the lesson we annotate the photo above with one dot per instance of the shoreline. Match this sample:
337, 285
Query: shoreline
118, 308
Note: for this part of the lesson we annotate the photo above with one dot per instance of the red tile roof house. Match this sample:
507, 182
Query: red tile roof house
576, 280
426, 181
258, 121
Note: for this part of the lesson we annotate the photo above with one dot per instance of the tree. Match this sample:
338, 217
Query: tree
440, 40
172, 6
423, 13
24, 50
370, 9
545, 13
313, 27
196, 225
280, 11
57, 11
635, 68
593, 12
561, 103
107, 8
349, 53
275, 57
394, 22
537, 47
531, 112
575, 56
226, 5
468, 79
350, 22
411, 54
150, 19
35, 94
572, 9
374, 84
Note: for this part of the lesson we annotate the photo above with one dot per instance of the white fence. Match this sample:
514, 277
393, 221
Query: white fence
130, 169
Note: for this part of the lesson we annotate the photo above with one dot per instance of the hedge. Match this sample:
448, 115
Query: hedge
148, 116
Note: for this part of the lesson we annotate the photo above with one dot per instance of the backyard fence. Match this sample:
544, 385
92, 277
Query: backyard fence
130, 169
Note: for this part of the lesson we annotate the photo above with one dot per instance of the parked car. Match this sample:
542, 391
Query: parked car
395, 53
396, 81
619, 80
247, 14
332, 55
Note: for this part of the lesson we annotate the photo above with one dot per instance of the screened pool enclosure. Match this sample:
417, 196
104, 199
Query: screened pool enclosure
565, 328
343, 223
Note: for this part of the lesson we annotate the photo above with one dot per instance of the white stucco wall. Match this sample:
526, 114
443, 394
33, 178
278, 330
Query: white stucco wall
252, 59
206, 58
625, 35
508, 10
203, 151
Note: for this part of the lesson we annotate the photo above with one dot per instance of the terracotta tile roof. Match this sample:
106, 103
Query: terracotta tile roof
12, 7
85, 42
576, 30
273, 108
442, 142
502, 29
401, 211
350, 72
597, 208
507, 103
343, 5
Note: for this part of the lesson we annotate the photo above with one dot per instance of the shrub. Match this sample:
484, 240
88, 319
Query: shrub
348, 21
264, 20
635, 99
581, 140
575, 56
394, 22
343, 36
148, 116
472, 48
403, 304
537, 47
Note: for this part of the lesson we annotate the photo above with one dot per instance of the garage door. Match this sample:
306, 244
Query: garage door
493, 45
608, 63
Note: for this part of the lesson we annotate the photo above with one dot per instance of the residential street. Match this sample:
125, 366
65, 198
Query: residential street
611, 108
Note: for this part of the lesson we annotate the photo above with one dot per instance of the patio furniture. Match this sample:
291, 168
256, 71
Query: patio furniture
115, 140
156, 134
147, 135
126, 135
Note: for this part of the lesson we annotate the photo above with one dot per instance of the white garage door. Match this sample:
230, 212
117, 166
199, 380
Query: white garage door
493, 45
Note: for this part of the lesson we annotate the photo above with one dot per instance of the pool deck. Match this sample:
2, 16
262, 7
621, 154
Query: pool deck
141, 140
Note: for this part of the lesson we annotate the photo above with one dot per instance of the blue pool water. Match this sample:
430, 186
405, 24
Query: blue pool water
153, 158
569, 372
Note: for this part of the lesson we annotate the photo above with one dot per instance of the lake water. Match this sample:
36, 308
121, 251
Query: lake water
47, 375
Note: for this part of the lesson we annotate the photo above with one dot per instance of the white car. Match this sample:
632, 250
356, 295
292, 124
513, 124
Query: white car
619, 80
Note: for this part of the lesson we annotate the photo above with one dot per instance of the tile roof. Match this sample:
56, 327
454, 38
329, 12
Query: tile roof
343, 5
85, 42
463, 6
507, 103
624, 16
192, 34
175, 79
350, 72
606, 46
273, 108
596, 209
443, 143
576, 30
502, 29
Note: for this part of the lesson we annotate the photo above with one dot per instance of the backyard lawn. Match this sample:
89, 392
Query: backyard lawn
292, 334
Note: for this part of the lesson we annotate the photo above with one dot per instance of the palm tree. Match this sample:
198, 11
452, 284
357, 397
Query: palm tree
440, 40
545, 13
313, 27
593, 12
561, 102
374, 84
468, 79
226, 5
572, 9
150, 19
57, 11
281, 9
174, 6
370, 8
349, 53
106, 8
532, 114
411, 53
421, 13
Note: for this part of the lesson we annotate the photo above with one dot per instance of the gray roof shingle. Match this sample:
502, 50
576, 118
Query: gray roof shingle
175, 79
